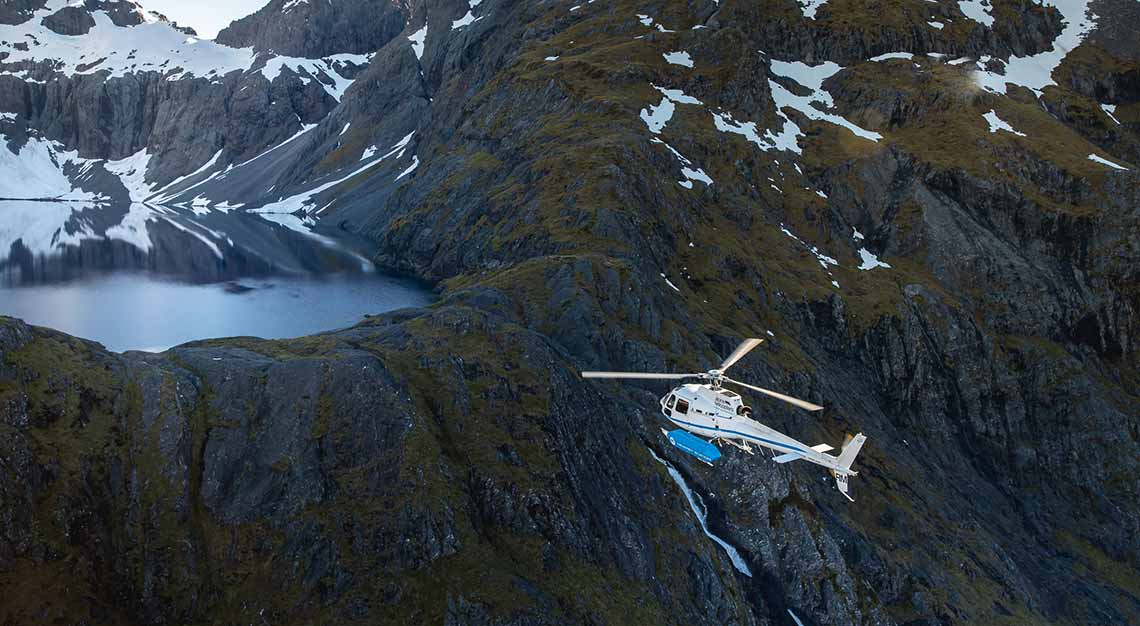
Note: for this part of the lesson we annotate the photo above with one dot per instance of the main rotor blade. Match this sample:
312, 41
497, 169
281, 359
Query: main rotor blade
637, 375
744, 348
803, 404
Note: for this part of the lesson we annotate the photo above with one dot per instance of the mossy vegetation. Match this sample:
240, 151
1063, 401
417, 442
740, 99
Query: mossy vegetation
323, 346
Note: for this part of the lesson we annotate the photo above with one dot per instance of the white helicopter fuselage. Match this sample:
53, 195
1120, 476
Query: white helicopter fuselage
720, 414
709, 410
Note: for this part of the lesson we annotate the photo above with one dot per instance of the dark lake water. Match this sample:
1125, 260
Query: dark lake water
140, 277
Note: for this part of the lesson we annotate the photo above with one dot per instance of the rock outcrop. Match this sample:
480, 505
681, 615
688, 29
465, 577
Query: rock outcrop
315, 29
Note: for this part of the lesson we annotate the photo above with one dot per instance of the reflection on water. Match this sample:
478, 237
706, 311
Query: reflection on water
144, 277
49, 242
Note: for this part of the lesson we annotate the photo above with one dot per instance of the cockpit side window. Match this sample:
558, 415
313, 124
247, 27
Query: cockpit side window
682, 406
672, 399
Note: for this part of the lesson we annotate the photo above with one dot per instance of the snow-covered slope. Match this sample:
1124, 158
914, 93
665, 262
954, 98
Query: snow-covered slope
105, 82
37, 170
153, 45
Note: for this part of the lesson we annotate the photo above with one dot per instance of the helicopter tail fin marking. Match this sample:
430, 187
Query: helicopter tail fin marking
850, 449
841, 483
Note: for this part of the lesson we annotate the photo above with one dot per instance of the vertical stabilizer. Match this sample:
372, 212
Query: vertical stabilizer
850, 449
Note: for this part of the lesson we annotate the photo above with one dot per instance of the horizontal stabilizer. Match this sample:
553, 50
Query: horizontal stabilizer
785, 458
823, 447
693, 445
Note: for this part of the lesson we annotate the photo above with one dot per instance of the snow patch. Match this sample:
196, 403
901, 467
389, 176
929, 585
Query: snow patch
469, 18
810, 77
870, 261
1103, 161
132, 172
820, 257
679, 58
892, 55
1109, 110
977, 10
411, 168
690, 173
174, 183
656, 116
306, 200
647, 21
809, 7
1035, 72
418, 39
996, 124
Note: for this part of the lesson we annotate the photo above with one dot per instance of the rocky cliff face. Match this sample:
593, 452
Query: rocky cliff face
314, 29
931, 208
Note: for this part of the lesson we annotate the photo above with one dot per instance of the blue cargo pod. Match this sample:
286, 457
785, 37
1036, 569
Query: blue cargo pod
693, 445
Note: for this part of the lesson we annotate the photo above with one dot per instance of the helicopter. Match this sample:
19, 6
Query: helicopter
707, 409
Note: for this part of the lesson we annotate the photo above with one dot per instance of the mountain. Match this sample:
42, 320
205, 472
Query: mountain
105, 101
317, 28
927, 208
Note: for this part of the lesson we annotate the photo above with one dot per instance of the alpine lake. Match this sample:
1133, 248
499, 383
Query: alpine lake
143, 277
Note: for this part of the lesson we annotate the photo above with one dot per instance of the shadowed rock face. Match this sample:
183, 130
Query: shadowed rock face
447, 465
70, 20
316, 29
17, 11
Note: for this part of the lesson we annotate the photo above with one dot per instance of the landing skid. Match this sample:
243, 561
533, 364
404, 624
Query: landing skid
734, 443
